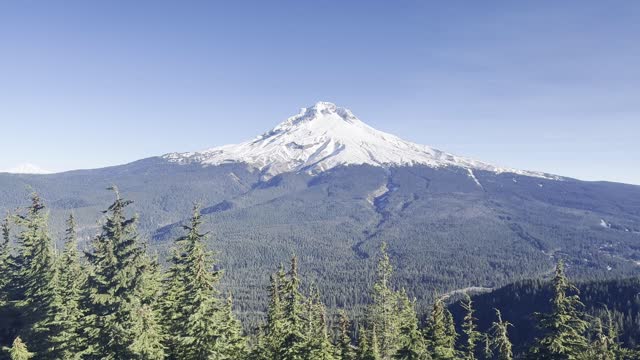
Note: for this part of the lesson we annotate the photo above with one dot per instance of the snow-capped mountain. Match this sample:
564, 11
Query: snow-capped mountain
27, 168
324, 136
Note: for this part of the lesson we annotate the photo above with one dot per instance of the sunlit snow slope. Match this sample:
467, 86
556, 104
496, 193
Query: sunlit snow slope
325, 136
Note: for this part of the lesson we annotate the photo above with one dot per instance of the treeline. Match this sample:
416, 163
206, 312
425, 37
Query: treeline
115, 302
519, 301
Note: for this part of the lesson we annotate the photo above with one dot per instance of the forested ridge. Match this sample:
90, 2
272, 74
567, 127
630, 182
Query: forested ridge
115, 301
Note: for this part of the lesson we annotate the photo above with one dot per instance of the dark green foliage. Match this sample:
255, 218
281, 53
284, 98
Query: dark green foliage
318, 345
564, 328
411, 342
19, 351
199, 325
469, 329
500, 338
5, 256
293, 342
443, 230
67, 341
384, 310
121, 322
438, 333
345, 348
33, 284
369, 349
232, 343
117, 307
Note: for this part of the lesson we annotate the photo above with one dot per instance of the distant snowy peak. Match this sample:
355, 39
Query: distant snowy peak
27, 168
324, 136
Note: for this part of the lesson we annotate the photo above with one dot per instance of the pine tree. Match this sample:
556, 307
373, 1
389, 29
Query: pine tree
19, 351
469, 328
564, 327
34, 287
5, 267
438, 332
147, 316
67, 340
274, 331
9, 315
346, 350
501, 343
605, 345
384, 308
318, 344
232, 344
294, 341
369, 349
193, 317
117, 302
487, 351
412, 345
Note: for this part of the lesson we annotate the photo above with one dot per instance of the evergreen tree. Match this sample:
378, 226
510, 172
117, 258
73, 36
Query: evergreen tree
487, 351
384, 309
232, 344
469, 328
5, 267
438, 332
67, 340
19, 351
412, 345
193, 317
318, 344
346, 350
501, 343
274, 331
117, 302
33, 288
147, 316
294, 341
9, 315
605, 345
564, 327
369, 349
450, 330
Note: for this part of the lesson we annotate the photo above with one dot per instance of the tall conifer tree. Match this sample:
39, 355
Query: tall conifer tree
232, 345
34, 285
67, 340
193, 315
117, 303
294, 341
346, 350
384, 309
19, 351
412, 345
319, 345
469, 328
438, 332
501, 343
5, 267
564, 327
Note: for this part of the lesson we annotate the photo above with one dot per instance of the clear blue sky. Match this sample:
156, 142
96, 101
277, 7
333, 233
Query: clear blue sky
542, 85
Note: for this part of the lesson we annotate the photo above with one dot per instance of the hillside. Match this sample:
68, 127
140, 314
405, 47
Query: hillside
450, 222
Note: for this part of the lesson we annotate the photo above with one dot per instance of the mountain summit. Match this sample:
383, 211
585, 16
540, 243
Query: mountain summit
324, 136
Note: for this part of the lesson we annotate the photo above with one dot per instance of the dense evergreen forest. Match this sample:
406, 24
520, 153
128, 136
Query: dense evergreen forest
115, 301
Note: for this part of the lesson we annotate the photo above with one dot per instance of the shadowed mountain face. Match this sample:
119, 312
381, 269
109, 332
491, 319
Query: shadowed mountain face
327, 187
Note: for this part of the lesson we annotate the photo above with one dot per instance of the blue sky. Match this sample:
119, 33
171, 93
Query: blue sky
541, 85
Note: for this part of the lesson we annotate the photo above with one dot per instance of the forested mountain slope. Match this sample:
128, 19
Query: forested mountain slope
329, 188
520, 301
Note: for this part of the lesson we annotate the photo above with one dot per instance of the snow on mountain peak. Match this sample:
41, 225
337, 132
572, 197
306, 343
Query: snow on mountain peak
324, 136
